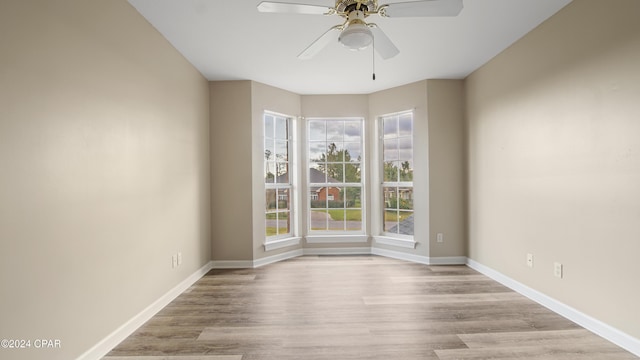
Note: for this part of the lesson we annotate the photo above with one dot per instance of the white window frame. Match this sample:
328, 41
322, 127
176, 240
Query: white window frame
382, 237
290, 238
336, 236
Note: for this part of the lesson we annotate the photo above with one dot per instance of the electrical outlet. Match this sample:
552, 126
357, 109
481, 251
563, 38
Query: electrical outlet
174, 261
179, 258
530, 260
440, 237
557, 270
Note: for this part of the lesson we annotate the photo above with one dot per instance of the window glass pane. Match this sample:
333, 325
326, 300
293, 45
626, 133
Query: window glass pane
269, 172
405, 223
268, 126
390, 171
390, 149
317, 174
406, 171
390, 127
352, 173
335, 131
405, 126
283, 199
352, 197
405, 148
397, 162
353, 219
282, 150
405, 198
317, 151
271, 224
317, 131
276, 172
269, 150
336, 219
332, 163
318, 219
390, 220
281, 128
390, 196
352, 152
352, 131
335, 152
283, 223
334, 171
270, 197
282, 171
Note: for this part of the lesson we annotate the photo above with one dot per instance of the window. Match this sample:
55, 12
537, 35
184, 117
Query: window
334, 178
277, 179
397, 168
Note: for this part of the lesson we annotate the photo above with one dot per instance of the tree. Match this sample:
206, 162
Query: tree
393, 174
269, 176
390, 171
331, 163
406, 173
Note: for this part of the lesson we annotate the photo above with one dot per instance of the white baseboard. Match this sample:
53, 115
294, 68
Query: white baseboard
247, 264
338, 251
448, 260
401, 255
117, 336
232, 264
403, 243
596, 326
275, 258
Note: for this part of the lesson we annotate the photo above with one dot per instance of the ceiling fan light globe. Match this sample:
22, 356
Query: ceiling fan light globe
356, 37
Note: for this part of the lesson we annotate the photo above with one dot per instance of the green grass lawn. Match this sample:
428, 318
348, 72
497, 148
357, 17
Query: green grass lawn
272, 216
339, 214
271, 231
391, 215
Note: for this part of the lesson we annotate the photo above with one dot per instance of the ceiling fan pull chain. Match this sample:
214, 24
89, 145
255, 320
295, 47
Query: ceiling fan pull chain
373, 57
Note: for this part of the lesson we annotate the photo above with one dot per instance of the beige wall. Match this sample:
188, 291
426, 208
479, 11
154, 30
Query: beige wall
447, 168
231, 170
104, 171
554, 160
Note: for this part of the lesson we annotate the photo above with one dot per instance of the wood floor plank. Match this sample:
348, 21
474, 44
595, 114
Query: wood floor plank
548, 352
178, 357
574, 337
356, 308
439, 278
446, 298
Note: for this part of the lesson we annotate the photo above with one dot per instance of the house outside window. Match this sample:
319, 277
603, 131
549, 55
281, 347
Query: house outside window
397, 174
277, 179
335, 158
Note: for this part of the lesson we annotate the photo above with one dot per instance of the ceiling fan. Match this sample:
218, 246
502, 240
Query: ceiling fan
355, 33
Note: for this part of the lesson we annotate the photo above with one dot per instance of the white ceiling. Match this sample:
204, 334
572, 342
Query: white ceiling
231, 40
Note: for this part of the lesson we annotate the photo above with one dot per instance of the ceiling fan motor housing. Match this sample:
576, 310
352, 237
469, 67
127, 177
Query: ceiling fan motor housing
347, 6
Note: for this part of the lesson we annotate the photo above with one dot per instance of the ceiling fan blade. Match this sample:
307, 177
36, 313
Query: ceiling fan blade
382, 44
279, 7
325, 39
422, 8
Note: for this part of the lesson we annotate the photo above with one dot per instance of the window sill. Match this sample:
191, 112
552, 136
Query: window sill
403, 243
281, 243
324, 239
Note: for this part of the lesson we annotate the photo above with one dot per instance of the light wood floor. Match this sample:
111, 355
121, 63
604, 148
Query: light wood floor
357, 307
